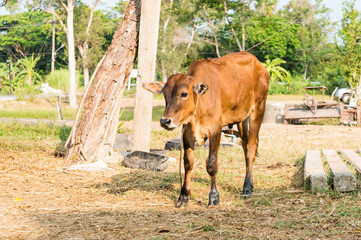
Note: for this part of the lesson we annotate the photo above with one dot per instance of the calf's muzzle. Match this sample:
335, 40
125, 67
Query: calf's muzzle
167, 123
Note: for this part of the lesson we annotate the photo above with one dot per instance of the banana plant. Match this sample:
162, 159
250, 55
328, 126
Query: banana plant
276, 71
27, 70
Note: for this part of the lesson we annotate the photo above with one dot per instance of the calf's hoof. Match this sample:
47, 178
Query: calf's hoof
213, 199
246, 194
182, 201
247, 188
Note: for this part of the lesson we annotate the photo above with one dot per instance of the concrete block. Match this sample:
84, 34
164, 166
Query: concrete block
122, 142
274, 113
353, 158
314, 175
343, 179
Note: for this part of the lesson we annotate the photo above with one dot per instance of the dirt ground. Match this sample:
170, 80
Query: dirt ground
40, 200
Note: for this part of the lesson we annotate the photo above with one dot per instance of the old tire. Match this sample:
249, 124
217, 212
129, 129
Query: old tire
345, 98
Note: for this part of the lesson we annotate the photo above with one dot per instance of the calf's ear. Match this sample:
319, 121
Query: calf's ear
154, 87
200, 88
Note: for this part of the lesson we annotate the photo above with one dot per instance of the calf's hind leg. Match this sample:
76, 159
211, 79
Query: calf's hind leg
212, 166
249, 130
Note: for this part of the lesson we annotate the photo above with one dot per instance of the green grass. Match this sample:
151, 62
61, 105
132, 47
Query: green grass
126, 115
21, 137
38, 131
38, 114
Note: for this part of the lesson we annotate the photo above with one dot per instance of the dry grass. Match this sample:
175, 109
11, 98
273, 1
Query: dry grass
296, 98
39, 201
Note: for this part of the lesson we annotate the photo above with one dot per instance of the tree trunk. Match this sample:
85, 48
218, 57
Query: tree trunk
94, 135
213, 31
164, 72
85, 64
243, 29
305, 72
71, 53
86, 46
53, 47
86, 74
230, 25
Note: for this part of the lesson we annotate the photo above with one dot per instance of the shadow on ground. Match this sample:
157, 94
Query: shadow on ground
143, 180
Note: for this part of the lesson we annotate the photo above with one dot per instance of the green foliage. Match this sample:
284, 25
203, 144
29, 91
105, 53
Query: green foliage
102, 28
284, 44
26, 92
276, 71
190, 30
24, 34
4, 78
350, 35
27, 73
59, 79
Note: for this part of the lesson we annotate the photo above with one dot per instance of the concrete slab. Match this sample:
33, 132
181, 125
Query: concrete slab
343, 179
314, 175
353, 158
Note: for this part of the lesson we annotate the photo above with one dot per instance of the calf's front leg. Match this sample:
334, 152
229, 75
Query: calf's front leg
188, 144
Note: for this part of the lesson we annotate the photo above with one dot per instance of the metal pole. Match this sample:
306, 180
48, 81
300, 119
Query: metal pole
11, 85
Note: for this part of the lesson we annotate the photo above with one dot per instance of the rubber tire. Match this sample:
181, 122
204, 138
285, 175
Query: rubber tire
346, 98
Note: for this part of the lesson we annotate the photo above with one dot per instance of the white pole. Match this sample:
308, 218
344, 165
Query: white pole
147, 53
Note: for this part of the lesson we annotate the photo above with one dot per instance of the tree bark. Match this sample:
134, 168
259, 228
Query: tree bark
86, 72
94, 135
71, 53
53, 47
243, 29
213, 31
230, 25
86, 46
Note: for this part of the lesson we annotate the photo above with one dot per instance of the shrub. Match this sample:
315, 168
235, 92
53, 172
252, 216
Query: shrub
59, 79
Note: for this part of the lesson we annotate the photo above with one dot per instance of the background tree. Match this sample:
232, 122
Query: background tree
84, 15
24, 34
95, 38
313, 33
350, 38
67, 9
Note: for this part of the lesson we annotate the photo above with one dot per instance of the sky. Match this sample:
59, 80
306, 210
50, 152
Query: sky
334, 5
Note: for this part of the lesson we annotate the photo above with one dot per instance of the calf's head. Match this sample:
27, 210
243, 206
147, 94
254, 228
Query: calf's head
180, 93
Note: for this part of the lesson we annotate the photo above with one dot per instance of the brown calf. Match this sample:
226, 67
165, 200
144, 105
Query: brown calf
219, 92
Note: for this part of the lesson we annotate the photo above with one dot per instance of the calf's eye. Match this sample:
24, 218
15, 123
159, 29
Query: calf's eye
184, 95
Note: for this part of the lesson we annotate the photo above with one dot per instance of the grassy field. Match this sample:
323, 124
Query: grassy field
42, 200
46, 109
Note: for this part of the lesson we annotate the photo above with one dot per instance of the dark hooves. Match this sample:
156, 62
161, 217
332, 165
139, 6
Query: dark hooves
246, 196
247, 193
213, 199
182, 202
247, 188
